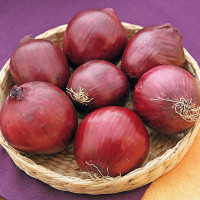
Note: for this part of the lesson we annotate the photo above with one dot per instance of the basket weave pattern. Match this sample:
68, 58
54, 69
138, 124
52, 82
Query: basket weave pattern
61, 171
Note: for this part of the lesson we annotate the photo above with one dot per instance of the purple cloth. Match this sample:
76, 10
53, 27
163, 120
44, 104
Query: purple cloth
16, 185
21, 17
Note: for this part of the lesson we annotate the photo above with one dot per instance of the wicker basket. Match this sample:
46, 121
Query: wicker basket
61, 171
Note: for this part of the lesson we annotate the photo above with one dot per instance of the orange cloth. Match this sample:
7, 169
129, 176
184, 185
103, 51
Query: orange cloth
182, 182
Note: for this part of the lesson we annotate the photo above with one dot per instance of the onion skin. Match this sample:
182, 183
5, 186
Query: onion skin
114, 139
94, 35
39, 60
150, 47
157, 93
38, 118
103, 83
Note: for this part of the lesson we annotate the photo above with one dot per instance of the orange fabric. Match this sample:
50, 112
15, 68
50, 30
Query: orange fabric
182, 182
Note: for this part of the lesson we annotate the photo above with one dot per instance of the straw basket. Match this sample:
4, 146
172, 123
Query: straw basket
61, 171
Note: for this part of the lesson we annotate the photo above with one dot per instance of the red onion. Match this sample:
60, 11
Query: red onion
168, 99
38, 117
150, 47
94, 35
111, 141
97, 84
39, 60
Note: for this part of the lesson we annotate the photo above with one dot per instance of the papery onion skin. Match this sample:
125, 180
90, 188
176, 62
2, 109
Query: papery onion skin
157, 93
94, 35
39, 60
38, 118
150, 47
103, 83
113, 140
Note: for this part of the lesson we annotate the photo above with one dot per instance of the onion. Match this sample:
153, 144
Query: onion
94, 35
150, 47
111, 141
97, 84
38, 117
168, 99
39, 60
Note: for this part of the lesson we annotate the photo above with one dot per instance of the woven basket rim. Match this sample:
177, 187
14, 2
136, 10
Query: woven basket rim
76, 181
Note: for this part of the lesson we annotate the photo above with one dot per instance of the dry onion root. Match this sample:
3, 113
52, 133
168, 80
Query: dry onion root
97, 176
80, 96
185, 109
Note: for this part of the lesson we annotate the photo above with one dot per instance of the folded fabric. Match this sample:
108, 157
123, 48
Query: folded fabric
181, 183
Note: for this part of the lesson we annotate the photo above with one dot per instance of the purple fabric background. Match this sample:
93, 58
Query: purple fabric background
21, 17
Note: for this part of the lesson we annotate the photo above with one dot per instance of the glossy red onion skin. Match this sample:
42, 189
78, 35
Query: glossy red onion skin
150, 47
39, 60
41, 119
168, 83
94, 35
103, 82
114, 139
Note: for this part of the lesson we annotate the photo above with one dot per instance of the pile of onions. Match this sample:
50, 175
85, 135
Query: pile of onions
38, 117
168, 99
94, 35
111, 141
150, 47
39, 60
96, 84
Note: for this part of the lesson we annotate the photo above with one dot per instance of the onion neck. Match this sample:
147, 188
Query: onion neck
16, 93
111, 13
166, 26
25, 39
